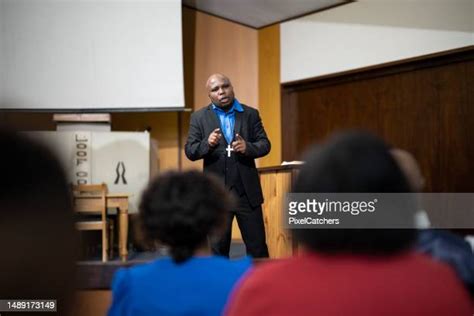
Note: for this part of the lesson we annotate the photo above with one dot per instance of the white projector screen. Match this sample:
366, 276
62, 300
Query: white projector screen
91, 55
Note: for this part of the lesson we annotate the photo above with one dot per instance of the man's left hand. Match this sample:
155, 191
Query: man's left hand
239, 145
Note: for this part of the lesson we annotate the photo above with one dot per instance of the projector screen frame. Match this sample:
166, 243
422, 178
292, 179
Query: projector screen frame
105, 66
105, 110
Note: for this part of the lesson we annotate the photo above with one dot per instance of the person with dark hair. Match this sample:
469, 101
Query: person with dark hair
37, 236
352, 271
180, 211
353, 163
229, 136
440, 244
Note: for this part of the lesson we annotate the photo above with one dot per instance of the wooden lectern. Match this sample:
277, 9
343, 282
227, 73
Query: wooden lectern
276, 182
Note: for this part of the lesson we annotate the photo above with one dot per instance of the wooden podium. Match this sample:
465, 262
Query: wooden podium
276, 182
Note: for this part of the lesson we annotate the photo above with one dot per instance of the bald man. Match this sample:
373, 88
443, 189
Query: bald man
228, 136
440, 244
410, 168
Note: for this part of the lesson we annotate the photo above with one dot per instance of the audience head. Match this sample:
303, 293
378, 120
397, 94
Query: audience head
350, 163
410, 168
37, 236
439, 244
181, 209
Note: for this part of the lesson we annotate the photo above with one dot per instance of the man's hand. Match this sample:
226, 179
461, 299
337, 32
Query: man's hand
214, 137
239, 145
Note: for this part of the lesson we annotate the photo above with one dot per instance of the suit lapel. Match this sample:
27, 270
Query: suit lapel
214, 122
238, 122
212, 118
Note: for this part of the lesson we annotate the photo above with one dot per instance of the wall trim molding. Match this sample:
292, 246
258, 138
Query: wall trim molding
426, 61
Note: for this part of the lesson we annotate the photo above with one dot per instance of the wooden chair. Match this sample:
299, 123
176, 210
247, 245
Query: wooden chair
90, 199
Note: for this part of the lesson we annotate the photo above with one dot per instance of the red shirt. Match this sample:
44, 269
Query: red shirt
345, 285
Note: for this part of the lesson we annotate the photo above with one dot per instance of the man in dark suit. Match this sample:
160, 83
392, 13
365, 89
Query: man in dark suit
229, 135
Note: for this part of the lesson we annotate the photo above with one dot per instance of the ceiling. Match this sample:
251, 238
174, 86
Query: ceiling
261, 13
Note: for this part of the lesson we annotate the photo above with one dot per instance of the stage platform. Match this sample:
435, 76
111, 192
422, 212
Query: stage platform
98, 275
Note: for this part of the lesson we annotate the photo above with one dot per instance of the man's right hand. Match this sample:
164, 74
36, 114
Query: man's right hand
214, 137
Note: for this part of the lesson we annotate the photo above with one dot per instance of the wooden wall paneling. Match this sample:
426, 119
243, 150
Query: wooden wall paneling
228, 48
289, 125
323, 111
313, 116
423, 106
347, 107
27, 121
190, 87
236, 234
164, 129
455, 87
269, 91
185, 163
409, 118
315, 120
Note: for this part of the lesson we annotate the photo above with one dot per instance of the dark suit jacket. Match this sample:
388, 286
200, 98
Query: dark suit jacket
248, 125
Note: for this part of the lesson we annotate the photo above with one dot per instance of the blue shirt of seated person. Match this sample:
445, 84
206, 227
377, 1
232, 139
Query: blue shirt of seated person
199, 286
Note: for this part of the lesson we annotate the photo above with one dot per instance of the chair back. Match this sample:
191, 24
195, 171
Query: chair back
90, 198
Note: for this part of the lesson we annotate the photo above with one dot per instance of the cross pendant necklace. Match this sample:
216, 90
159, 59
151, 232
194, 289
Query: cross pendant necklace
229, 149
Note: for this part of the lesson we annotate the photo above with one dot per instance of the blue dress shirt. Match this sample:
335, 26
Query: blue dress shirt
227, 119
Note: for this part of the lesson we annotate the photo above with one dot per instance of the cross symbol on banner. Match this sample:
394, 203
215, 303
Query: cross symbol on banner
229, 149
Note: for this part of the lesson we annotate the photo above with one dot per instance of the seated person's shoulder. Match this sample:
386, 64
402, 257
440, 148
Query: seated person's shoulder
267, 271
438, 274
429, 265
140, 271
234, 265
